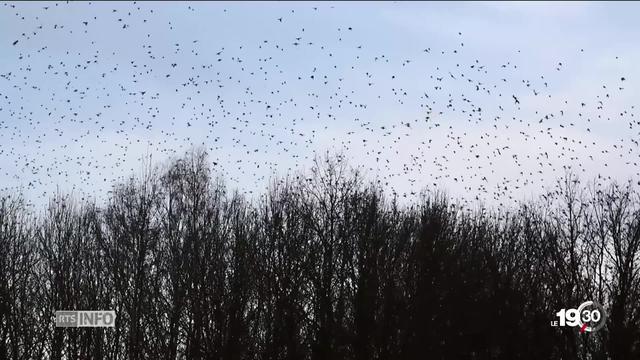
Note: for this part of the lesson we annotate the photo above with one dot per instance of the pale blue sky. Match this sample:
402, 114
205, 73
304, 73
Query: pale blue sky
228, 77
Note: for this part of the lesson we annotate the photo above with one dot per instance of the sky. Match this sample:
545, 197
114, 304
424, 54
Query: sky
489, 101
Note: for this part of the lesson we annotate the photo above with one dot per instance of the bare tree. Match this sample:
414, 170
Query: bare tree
323, 266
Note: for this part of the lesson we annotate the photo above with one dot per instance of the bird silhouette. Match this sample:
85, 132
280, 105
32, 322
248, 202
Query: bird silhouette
125, 80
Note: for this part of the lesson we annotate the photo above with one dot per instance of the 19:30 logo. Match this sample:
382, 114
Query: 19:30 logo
589, 317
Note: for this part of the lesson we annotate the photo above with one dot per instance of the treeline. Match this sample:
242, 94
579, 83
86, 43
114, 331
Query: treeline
323, 266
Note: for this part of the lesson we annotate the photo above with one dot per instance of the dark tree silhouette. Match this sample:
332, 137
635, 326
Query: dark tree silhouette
323, 266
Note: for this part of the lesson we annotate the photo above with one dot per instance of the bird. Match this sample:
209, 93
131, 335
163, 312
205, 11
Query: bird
82, 110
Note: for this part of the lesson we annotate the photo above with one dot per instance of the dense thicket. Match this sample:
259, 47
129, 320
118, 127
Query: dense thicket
323, 266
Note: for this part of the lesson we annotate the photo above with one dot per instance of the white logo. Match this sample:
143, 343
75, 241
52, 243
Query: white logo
589, 317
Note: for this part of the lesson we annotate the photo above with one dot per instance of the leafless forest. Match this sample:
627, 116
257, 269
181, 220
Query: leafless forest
324, 265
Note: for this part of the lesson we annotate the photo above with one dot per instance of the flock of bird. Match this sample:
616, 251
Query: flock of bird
86, 94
